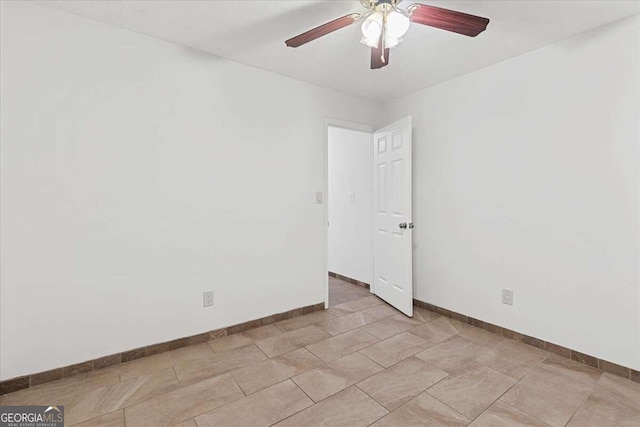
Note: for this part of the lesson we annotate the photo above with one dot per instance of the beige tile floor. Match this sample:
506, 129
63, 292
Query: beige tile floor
359, 363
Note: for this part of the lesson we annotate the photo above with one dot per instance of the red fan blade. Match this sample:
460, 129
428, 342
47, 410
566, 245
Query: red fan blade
450, 20
377, 59
323, 30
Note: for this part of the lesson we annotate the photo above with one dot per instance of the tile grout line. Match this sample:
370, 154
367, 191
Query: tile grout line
374, 399
371, 397
123, 407
236, 382
313, 403
435, 398
370, 359
214, 409
278, 328
583, 401
517, 409
354, 384
500, 397
381, 339
375, 421
417, 395
175, 373
261, 350
449, 376
302, 390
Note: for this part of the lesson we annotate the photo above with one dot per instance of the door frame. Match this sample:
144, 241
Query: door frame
343, 124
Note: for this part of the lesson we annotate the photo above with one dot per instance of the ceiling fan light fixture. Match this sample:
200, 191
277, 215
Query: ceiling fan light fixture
371, 30
397, 24
390, 42
384, 25
370, 42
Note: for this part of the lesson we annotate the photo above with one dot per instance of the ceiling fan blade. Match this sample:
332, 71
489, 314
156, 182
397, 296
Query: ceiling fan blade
323, 30
450, 20
378, 60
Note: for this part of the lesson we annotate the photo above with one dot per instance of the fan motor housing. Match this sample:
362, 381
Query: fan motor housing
379, 5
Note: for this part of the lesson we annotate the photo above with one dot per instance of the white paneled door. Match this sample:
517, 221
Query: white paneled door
393, 226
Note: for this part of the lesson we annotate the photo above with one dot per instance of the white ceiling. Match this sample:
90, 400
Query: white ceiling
253, 33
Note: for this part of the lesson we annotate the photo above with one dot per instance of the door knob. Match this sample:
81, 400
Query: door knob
403, 225
411, 225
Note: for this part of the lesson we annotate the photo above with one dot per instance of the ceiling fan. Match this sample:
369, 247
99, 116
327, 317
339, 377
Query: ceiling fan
384, 24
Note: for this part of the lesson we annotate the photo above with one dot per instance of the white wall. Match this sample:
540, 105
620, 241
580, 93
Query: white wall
350, 222
137, 174
526, 177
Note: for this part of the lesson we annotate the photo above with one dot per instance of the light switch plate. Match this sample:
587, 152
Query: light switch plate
319, 197
352, 197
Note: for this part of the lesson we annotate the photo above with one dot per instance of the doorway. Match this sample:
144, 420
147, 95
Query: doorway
349, 213
368, 212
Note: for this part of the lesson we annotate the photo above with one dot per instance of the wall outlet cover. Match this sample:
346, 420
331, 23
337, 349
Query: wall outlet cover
507, 297
207, 299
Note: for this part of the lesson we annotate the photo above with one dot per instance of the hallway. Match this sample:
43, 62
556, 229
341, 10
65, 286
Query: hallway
341, 292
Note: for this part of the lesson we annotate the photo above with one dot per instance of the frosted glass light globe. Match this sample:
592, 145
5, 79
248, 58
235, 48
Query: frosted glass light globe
390, 42
397, 25
371, 30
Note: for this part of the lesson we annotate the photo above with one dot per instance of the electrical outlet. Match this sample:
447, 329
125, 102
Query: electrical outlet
207, 299
352, 197
507, 297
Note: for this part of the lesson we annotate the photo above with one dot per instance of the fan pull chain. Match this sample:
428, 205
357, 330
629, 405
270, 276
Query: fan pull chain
383, 36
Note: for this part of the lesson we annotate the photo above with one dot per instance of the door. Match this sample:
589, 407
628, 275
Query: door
392, 240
